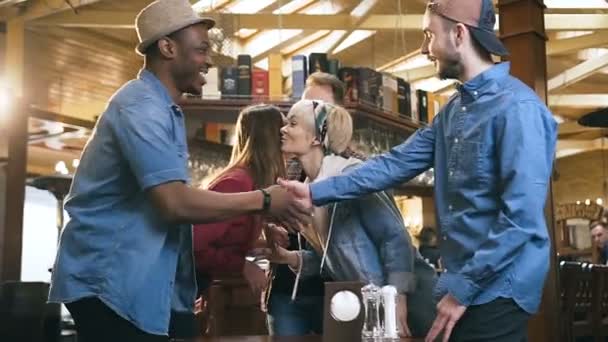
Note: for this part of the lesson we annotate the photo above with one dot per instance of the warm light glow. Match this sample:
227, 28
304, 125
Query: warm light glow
5, 103
75, 163
578, 4
266, 40
245, 33
411, 63
202, 6
571, 34
262, 64
324, 8
323, 44
599, 201
354, 38
304, 41
578, 202
587, 202
292, 6
248, 6
61, 168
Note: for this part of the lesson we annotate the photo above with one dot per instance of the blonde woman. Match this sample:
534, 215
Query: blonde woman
359, 240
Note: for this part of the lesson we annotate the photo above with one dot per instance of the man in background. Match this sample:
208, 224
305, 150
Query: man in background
599, 236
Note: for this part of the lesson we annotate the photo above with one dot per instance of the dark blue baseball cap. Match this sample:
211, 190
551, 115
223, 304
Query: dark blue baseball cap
477, 15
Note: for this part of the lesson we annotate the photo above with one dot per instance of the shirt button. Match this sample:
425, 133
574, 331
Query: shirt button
455, 140
464, 108
475, 93
445, 238
450, 207
451, 173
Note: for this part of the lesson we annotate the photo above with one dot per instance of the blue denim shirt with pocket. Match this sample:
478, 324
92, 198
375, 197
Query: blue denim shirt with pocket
116, 246
492, 147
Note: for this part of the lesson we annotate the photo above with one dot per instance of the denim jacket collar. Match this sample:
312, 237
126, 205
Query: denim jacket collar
485, 83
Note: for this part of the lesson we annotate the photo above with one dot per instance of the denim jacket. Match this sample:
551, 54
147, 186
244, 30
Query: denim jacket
368, 242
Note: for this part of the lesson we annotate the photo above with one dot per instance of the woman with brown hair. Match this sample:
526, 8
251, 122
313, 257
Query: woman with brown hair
256, 162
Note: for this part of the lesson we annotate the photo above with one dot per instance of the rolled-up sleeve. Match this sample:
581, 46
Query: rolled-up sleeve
146, 134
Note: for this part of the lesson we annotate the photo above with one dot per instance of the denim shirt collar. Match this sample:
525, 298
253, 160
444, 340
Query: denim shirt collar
485, 83
149, 78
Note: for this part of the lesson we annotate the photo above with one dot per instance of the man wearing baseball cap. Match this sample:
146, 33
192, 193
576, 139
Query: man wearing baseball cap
124, 263
492, 149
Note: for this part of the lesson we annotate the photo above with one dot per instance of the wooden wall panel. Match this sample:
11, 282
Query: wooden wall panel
78, 71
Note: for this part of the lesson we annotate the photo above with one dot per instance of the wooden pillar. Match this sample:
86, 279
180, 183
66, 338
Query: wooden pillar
522, 30
13, 140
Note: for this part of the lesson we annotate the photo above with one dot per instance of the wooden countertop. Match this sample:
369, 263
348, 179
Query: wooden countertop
279, 339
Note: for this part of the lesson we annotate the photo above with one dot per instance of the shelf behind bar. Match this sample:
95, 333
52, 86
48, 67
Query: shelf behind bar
227, 110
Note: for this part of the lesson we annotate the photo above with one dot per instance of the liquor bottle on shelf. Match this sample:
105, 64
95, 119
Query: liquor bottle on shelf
299, 74
318, 62
244, 80
229, 82
350, 78
259, 83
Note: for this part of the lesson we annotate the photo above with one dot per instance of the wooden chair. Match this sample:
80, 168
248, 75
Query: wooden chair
576, 300
600, 302
233, 309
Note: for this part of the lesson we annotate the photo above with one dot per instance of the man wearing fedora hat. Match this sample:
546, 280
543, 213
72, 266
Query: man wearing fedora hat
492, 148
124, 263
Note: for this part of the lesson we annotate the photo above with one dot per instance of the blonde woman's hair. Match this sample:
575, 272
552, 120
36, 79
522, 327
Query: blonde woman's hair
336, 133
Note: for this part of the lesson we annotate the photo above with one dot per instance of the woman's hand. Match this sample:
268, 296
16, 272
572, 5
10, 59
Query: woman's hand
404, 330
276, 235
280, 255
255, 276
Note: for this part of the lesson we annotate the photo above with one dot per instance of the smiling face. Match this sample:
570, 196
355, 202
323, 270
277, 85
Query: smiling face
297, 136
191, 60
440, 47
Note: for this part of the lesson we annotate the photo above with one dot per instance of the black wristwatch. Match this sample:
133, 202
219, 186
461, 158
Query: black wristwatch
267, 199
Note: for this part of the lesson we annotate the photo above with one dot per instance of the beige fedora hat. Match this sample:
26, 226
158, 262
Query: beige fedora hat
163, 17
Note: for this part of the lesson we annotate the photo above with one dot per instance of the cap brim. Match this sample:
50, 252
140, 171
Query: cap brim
598, 118
141, 47
489, 41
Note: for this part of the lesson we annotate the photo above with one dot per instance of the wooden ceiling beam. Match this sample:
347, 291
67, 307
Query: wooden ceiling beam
416, 74
567, 148
263, 21
577, 73
579, 100
361, 12
570, 45
38, 9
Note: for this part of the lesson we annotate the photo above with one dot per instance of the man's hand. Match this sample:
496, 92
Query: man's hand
287, 208
276, 235
255, 276
449, 311
300, 191
404, 329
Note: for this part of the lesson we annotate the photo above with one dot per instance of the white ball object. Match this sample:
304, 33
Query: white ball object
345, 306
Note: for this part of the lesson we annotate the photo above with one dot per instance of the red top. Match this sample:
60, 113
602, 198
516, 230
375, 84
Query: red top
221, 247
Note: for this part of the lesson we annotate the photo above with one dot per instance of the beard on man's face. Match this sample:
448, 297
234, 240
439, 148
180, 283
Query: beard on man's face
450, 67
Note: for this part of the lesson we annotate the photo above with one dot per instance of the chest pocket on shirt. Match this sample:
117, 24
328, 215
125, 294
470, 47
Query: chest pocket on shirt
474, 161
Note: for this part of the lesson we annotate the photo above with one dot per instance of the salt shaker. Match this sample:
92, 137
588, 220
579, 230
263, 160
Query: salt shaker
389, 301
372, 327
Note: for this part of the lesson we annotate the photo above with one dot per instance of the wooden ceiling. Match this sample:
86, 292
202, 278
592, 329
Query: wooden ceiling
77, 58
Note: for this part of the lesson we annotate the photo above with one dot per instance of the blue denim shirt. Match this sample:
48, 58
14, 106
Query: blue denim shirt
116, 246
492, 147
